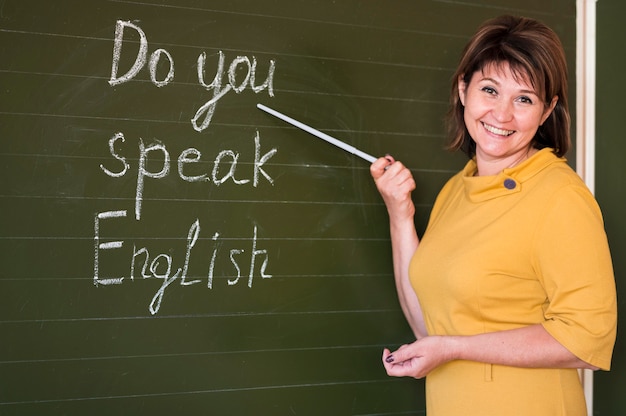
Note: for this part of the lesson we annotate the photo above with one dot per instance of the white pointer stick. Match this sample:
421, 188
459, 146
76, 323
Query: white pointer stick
323, 136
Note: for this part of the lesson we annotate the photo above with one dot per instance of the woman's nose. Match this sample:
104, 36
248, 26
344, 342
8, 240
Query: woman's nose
503, 110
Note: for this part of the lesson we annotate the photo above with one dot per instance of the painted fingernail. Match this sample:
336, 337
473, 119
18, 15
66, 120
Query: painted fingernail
389, 359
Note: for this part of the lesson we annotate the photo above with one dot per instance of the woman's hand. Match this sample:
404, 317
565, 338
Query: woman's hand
395, 184
419, 358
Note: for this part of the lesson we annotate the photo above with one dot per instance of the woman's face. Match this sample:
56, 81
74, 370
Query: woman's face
502, 115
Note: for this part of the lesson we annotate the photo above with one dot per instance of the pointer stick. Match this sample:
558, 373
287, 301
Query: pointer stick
323, 136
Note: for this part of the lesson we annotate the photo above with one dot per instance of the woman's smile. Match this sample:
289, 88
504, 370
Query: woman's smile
497, 131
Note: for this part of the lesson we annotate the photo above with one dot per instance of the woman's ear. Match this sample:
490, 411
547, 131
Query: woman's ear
549, 109
462, 87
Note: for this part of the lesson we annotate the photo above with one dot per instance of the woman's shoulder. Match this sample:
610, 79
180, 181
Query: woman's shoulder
548, 170
563, 191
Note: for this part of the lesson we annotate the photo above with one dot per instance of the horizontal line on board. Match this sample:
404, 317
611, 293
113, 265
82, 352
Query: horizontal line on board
276, 90
274, 53
128, 280
368, 97
205, 201
193, 277
296, 19
222, 390
185, 238
503, 8
197, 354
223, 201
360, 166
201, 316
161, 121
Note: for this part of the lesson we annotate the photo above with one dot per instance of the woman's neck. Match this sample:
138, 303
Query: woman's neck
490, 168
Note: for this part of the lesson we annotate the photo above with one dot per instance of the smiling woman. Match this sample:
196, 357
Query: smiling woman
531, 55
505, 297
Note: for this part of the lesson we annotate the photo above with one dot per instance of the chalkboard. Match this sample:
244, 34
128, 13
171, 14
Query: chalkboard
168, 247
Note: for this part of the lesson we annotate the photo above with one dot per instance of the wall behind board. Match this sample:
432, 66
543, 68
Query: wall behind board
231, 265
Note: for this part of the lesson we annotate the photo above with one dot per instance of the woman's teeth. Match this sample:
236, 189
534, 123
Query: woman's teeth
498, 131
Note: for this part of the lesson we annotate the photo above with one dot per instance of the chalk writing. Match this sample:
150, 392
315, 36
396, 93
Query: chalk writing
225, 166
218, 85
98, 246
143, 265
219, 91
155, 162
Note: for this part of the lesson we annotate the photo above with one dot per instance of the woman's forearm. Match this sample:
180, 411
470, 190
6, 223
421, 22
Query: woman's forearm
395, 184
527, 347
530, 347
404, 242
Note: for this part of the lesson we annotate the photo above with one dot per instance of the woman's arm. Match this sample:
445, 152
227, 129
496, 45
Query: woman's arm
530, 347
395, 184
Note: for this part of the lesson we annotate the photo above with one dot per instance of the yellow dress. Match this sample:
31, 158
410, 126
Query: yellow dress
523, 247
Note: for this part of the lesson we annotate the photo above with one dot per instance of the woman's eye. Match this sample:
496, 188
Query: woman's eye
488, 90
525, 100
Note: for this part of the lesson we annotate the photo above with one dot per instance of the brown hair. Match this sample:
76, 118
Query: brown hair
533, 52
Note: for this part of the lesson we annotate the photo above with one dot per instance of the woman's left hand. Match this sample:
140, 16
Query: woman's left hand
419, 358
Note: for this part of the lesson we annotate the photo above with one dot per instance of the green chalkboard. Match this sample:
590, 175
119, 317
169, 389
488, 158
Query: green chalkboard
167, 247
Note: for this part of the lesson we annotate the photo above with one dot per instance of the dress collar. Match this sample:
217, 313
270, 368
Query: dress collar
508, 182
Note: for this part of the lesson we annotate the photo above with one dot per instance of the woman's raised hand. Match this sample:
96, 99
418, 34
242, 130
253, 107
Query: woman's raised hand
395, 184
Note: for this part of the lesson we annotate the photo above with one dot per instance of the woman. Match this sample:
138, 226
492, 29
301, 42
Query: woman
511, 288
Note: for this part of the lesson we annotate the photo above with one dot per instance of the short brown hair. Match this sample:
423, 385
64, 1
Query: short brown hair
533, 52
